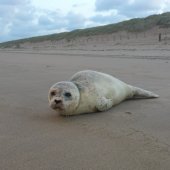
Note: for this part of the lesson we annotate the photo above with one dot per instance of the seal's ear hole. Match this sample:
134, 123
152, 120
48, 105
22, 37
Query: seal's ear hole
67, 94
53, 93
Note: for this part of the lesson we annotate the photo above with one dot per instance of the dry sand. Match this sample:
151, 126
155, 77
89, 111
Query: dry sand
134, 135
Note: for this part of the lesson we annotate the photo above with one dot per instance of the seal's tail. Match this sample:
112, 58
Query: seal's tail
141, 93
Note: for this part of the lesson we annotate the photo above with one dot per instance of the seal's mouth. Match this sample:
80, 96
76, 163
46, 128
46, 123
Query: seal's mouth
56, 107
57, 104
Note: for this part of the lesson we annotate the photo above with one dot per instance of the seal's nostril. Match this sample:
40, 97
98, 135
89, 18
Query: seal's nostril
57, 101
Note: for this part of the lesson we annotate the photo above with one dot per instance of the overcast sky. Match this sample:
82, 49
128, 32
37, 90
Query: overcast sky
26, 18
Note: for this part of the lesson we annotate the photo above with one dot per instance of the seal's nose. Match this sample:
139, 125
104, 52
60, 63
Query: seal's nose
57, 101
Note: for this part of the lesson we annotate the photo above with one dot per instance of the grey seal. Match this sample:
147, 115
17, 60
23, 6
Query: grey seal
91, 91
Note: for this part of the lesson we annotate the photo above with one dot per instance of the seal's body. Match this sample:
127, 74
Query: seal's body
90, 91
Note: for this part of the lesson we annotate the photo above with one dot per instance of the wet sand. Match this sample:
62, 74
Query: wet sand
134, 135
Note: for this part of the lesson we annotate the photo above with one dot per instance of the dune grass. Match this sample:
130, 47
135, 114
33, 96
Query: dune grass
132, 25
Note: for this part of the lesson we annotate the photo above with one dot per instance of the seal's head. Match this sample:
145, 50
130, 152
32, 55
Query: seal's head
64, 97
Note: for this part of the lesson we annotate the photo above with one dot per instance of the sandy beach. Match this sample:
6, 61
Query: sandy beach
134, 135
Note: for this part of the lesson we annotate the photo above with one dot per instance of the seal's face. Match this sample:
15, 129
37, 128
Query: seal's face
64, 97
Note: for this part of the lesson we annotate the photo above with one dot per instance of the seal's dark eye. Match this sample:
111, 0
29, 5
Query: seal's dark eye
53, 93
67, 94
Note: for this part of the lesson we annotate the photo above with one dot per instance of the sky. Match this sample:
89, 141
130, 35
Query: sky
28, 18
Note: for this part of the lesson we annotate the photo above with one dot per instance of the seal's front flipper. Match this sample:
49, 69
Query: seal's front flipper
141, 93
103, 104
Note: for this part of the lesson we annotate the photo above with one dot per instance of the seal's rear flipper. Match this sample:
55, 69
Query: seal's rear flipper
139, 93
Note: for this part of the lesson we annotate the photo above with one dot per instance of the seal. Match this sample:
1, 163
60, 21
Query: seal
91, 91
